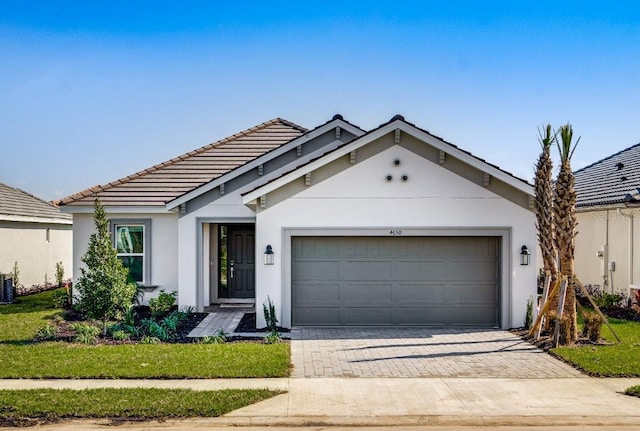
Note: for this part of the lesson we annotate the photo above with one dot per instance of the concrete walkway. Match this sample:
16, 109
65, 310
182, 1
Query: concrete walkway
409, 401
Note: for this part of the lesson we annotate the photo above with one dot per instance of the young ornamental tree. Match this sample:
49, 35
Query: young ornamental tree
104, 292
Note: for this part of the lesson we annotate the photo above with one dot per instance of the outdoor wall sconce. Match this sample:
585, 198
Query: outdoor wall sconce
268, 255
525, 255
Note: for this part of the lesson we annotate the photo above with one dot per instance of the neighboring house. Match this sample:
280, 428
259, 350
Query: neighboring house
336, 225
35, 234
608, 240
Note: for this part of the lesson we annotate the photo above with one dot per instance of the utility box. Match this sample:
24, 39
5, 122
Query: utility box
6, 288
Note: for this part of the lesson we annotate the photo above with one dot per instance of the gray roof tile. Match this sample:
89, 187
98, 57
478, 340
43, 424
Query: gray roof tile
18, 203
612, 180
166, 181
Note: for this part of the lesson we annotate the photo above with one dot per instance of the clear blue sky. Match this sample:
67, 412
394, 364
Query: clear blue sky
92, 91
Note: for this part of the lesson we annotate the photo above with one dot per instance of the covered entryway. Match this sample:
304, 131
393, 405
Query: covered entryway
395, 280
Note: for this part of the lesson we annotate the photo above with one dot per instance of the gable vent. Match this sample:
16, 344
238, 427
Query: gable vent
396, 139
338, 132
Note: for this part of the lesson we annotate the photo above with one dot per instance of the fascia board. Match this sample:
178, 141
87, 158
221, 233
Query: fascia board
30, 219
262, 159
376, 134
467, 158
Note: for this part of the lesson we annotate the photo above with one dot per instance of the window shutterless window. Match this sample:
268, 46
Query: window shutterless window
132, 242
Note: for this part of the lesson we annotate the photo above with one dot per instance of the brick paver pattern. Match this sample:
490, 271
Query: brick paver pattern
419, 352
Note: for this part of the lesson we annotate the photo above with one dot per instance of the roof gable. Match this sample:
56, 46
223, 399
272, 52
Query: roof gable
448, 155
337, 129
18, 205
612, 180
159, 184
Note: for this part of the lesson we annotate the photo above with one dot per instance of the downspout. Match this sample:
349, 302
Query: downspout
605, 269
630, 218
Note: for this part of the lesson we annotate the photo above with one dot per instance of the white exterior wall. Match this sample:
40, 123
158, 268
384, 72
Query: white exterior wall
27, 244
194, 245
164, 247
432, 198
615, 233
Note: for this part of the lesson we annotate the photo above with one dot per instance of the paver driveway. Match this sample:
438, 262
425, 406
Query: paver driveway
419, 352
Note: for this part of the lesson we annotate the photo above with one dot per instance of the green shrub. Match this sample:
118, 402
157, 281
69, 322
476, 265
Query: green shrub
59, 274
85, 332
272, 337
47, 333
151, 328
120, 335
149, 340
61, 299
528, 318
163, 303
269, 311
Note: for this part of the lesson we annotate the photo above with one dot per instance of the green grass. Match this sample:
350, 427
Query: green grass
618, 360
18, 407
634, 391
20, 358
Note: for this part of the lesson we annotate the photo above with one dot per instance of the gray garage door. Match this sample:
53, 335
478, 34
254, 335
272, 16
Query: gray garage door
395, 281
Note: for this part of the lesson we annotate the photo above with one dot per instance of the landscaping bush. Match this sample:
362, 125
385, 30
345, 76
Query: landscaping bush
163, 303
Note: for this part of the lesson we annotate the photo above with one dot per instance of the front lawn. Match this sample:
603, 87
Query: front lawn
616, 360
28, 407
20, 357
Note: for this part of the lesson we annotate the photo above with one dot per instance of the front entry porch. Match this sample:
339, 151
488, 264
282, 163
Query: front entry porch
231, 263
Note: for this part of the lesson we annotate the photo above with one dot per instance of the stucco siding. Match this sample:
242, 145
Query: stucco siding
164, 247
35, 250
614, 233
431, 201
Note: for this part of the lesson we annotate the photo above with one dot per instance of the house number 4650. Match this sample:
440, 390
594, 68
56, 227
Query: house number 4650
395, 232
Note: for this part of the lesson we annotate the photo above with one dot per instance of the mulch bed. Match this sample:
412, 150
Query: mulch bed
142, 312
248, 324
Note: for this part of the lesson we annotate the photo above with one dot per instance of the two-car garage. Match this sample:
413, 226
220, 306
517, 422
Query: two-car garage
395, 280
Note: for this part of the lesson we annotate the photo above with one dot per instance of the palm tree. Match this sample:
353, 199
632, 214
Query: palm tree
565, 222
544, 203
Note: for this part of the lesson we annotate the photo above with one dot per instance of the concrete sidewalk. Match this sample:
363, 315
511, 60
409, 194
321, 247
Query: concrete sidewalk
407, 401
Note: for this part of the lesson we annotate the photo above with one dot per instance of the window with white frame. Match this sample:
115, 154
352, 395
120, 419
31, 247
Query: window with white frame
131, 240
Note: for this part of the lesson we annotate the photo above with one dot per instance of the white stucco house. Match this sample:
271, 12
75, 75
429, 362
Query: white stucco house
608, 205
35, 234
337, 225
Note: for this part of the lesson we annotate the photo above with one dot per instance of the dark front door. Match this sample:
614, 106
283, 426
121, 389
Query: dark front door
241, 261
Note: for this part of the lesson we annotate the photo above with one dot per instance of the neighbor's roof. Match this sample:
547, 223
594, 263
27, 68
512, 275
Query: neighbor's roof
613, 180
166, 181
18, 205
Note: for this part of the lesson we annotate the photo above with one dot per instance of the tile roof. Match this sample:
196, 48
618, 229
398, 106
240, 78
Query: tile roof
612, 180
16, 204
166, 181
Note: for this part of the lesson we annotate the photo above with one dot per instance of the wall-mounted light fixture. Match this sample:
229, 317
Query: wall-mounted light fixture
268, 256
525, 255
